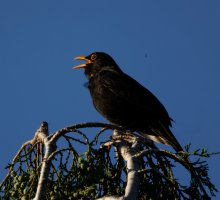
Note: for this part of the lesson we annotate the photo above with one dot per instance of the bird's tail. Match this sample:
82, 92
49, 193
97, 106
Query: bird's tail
163, 135
171, 139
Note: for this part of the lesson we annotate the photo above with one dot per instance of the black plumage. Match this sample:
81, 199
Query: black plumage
125, 102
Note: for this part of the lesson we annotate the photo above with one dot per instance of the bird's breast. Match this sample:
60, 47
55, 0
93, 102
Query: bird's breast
106, 101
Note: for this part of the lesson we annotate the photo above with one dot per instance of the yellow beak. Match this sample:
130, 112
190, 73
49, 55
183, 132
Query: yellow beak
82, 65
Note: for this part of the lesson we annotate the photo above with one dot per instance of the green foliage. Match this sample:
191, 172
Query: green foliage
98, 171
19, 186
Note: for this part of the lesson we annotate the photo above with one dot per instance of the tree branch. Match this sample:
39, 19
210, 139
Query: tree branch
133, 166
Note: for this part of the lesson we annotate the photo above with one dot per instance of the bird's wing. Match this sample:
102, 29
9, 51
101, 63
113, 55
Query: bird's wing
136, 96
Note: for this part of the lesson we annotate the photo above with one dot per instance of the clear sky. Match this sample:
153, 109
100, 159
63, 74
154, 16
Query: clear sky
171, 47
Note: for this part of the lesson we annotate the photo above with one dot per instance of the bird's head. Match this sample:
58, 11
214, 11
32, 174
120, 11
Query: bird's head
96, 62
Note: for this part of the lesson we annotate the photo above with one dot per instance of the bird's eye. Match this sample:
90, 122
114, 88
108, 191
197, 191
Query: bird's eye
93, 56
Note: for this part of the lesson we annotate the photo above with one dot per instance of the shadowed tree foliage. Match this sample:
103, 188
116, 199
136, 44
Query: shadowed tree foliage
80, 164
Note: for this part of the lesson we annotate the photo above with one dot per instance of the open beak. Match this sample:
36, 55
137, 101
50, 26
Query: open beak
82, 65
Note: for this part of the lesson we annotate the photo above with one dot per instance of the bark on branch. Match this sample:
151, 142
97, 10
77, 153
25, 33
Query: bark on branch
133, 166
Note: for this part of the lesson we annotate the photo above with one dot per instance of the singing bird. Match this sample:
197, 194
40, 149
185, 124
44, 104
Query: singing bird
125, 102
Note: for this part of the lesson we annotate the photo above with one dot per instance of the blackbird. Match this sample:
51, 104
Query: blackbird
125, 102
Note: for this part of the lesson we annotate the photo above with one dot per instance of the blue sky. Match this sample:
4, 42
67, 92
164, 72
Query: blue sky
171, 47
